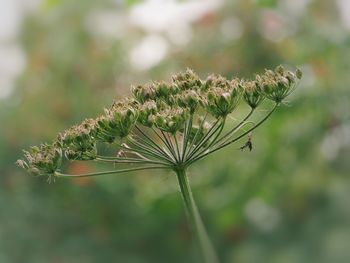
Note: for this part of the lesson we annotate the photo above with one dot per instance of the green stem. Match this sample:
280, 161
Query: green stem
217, 141
155, 145
140, 148
195, 136
235, 139
58, 174
234, 129
205, 139
170, 145
206, 248
126, 161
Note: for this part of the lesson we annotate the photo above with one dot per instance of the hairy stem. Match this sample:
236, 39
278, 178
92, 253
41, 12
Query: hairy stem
205, 246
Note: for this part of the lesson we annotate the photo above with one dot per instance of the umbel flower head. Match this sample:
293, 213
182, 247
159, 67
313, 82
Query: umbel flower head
278, 84
78, 142
42, 160
168, 124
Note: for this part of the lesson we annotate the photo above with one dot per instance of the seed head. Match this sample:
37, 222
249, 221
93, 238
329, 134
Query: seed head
222, 96
119, 120
171, 119
164, 89
143, 93
252, 94
278, 84
167, 106
78, 142
43, 160
187, 80
145, 113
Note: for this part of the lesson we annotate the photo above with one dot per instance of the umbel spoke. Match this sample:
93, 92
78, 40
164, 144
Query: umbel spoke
166, 125
58, 174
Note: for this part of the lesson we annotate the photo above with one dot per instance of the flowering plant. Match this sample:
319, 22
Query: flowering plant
167, 125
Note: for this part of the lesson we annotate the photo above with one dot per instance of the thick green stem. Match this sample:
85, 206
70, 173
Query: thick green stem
205, 246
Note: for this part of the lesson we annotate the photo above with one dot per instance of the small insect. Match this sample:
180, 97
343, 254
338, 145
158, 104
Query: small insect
248, 144
121, 153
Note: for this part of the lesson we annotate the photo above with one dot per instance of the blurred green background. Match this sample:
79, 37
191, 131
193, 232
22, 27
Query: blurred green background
287, 201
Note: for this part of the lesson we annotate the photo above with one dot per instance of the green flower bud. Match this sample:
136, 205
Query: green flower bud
171, 119
144, 93
277, 85
118, 121
101, 127
164, 90
160, 120
299, 73
222, 96
78, 142
43, 160
187, 80
146, 110
252, 94
188, 99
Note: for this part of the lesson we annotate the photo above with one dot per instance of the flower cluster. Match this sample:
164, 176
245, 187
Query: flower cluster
42, 160
278, 84
165, 106
221, 96
78, 142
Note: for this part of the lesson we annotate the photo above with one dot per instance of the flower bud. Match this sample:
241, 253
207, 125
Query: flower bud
222, 96
118, 121
252, 94
187, 80
277, 85
43, 160
144, 93
188, 99
164, 90
171, 119
299, 73
78, 142
146, 110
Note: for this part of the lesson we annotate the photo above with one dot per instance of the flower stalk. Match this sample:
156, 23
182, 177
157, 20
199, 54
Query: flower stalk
205, 246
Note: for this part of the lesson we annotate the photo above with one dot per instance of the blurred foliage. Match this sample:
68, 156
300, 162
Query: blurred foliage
287, 201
